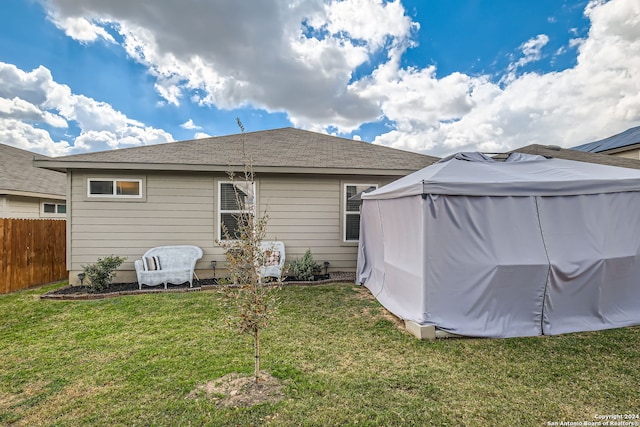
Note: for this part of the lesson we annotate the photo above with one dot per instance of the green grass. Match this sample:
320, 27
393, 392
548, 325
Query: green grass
131, 361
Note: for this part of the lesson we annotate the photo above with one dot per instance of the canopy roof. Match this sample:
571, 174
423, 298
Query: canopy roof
475, 174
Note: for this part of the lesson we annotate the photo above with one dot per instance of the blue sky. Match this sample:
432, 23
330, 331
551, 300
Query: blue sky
435, 76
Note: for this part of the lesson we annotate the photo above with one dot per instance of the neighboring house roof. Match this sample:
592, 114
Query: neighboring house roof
580, 156
624, 140
285, 150
18, 175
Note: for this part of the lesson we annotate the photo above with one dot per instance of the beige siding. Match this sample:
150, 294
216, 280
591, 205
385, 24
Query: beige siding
305, 213
177, 210
12, 206
180, 208
22, 207
630, 154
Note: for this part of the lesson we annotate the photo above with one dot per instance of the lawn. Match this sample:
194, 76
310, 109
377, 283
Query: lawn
343, 360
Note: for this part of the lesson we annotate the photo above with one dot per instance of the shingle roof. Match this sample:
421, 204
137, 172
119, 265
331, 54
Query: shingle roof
580, 156
624, 139
18, 175
270, 150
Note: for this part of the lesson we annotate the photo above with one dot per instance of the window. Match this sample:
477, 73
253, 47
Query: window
352, 209
234, 198
125, 188
54, 208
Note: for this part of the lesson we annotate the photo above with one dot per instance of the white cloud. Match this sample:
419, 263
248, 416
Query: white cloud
296, 57
34, 97
20, 134
595, 99
531, 50
20, 109
81, 29
189, 124
300, 57
200, 135
374, 22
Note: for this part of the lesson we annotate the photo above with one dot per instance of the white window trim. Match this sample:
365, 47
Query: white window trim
56, 209
114, 195
221, 237
344, 207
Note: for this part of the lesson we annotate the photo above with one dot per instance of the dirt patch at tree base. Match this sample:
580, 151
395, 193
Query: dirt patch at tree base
236, 390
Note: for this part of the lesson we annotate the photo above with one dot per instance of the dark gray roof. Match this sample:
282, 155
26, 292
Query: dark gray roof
18, 174
278, 150
624, 139
580, 156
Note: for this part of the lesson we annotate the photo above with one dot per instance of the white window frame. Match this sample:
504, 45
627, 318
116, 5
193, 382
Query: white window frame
56, 208
346, 213
114, 195
252, 209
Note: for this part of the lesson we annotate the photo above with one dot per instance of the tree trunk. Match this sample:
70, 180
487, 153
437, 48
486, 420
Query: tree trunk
256, 344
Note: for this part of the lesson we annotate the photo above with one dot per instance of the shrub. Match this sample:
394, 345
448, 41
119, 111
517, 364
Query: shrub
102, 272
304, 267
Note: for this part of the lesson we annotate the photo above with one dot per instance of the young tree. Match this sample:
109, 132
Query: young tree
252, 303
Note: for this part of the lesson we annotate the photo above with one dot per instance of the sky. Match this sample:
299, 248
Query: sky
429, 76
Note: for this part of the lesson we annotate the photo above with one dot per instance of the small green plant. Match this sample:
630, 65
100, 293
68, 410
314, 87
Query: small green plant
102, 272
304, 268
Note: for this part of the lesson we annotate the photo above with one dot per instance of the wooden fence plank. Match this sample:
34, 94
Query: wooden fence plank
32, 253
4, 284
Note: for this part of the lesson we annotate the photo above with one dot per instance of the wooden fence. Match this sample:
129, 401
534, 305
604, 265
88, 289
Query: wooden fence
32, 252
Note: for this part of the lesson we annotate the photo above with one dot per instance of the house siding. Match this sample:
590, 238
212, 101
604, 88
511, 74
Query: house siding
629, 154
181, 208
12, 206
22, 207
304, 213
177, 210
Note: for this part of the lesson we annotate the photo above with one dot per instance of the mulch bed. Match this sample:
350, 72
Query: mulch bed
116, 289
125, 287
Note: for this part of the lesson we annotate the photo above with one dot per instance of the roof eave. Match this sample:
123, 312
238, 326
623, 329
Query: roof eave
64, 166
33, 194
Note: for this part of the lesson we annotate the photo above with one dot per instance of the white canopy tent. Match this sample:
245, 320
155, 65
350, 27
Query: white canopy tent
524, 247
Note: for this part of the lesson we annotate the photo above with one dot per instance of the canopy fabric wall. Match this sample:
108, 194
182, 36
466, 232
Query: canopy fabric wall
536, 256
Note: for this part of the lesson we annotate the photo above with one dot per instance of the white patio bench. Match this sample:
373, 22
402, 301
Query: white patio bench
167, 264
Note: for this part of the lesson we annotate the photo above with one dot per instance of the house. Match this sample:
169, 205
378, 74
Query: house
625, 144
29, 192
123, 202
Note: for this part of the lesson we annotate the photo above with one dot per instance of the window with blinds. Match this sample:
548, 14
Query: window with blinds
234, 198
